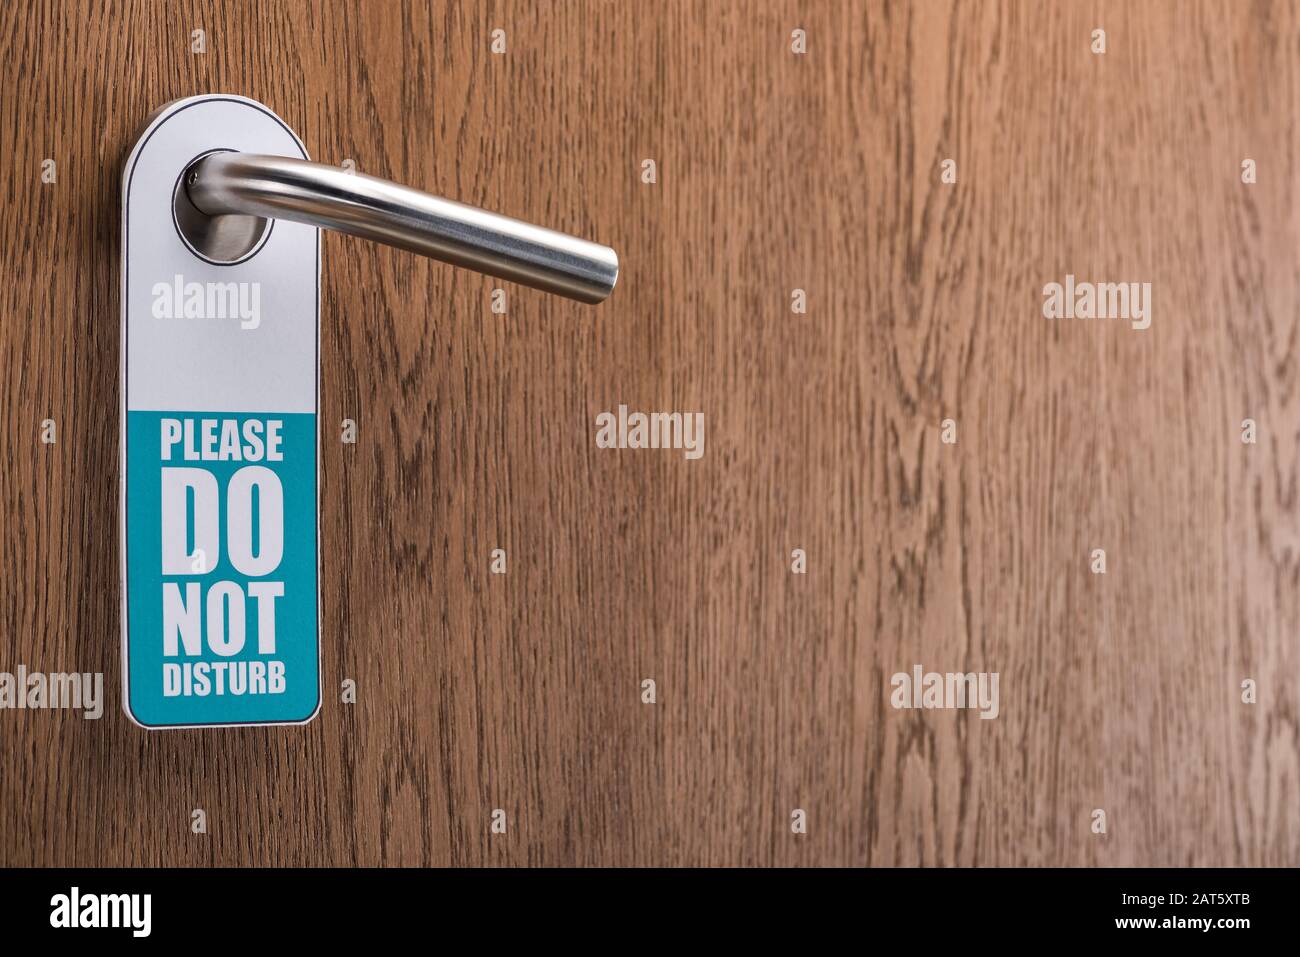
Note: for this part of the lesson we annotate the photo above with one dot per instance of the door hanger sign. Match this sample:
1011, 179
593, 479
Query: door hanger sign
220, 460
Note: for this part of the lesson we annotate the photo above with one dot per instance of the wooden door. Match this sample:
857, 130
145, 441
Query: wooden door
823, 171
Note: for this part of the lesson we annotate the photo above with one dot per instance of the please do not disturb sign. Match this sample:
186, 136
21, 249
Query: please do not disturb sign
220, 371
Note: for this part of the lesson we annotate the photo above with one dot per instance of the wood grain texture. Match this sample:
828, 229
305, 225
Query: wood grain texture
476, 431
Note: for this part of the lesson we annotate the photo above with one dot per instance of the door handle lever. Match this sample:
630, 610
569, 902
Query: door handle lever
278, 187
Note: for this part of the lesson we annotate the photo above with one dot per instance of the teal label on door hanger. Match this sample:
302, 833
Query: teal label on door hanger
221, 565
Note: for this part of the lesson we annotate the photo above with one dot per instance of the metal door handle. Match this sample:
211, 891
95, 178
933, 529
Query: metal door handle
277, 187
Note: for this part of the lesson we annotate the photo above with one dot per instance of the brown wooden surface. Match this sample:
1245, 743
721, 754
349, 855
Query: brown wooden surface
476, 431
